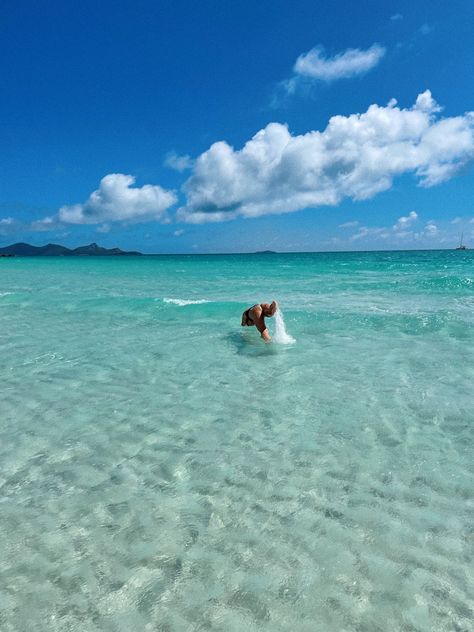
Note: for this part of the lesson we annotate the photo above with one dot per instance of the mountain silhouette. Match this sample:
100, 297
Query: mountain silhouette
54, 250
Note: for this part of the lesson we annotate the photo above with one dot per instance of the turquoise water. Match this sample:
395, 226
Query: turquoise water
163, 469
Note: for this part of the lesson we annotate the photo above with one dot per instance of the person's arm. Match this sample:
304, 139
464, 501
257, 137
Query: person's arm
266, 335
262, 328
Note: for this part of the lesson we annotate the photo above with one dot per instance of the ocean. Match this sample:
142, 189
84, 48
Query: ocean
163, 469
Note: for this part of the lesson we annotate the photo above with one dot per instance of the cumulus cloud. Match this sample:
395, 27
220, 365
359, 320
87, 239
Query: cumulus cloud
45, 224
177, 162
7, 225
396, 17
431, 228
401, 232
117, 200
349, 63
349, 224
403, 222
373, 231
10, 225
355, 157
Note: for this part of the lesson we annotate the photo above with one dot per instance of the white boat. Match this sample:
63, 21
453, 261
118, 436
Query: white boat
461, 245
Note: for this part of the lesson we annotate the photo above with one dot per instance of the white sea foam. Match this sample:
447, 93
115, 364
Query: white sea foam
182, 302
281, 336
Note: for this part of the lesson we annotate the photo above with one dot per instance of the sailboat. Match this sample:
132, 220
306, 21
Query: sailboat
461, 245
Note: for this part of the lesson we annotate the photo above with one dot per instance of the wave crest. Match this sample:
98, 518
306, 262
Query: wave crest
182, 302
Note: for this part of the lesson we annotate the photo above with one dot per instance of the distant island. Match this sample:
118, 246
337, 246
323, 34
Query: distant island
266, 252
55, 250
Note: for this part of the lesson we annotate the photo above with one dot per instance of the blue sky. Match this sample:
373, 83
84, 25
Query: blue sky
110, 114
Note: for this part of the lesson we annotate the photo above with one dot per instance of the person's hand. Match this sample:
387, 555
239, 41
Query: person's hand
266, 335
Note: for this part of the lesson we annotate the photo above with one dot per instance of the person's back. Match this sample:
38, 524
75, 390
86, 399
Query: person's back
255, 317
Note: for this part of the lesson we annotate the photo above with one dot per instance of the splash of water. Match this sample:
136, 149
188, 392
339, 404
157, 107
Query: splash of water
281, 336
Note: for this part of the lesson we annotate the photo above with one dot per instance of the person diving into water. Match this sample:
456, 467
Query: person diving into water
255, 316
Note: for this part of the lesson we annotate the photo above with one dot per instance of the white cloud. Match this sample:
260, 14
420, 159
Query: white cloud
396, 17
178, 163
117, 201
45, 224
349, 224
431, 228
178, 233
365, 231
456, 220
10, 225
105, 228
355, 157
400, 232
349, 63
403, 222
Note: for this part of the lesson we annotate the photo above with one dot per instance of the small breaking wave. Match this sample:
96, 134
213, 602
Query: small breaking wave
182, 302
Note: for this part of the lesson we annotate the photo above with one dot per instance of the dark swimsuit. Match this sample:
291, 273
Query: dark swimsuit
248, 318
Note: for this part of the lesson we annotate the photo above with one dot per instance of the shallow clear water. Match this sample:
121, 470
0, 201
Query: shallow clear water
161, 468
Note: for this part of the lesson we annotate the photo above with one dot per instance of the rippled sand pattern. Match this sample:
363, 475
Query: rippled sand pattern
162, 469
